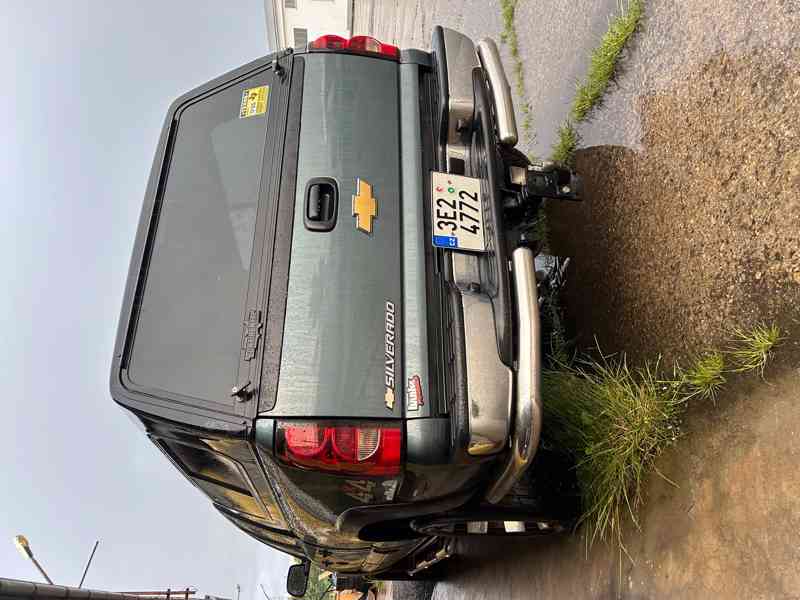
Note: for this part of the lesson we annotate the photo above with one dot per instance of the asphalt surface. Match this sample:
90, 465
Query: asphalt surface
690, 226
553, 36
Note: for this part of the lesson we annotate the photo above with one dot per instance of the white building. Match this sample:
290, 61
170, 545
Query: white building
293, 23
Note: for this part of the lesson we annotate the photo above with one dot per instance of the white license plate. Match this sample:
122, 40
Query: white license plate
457, 212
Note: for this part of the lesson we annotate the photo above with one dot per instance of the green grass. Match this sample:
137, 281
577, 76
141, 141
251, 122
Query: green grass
615, 421
602, 63
604, 58
704, 378
752, 350
509, 36
564, 150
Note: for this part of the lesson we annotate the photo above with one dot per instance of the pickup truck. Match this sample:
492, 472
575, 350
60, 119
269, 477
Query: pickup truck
331, 323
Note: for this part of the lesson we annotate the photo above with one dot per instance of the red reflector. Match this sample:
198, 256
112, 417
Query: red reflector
363, 449
364, 43
390, 51
329, 42
357, 44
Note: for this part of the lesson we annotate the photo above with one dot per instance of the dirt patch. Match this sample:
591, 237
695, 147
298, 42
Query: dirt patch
727, 530
699, 231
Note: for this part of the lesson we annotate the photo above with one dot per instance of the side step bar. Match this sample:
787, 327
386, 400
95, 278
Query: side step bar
501, 91
527, 412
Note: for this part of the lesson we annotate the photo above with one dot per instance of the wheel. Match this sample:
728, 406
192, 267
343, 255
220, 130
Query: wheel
549, 487
498, 523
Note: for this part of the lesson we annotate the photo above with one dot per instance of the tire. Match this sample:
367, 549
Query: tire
548, 488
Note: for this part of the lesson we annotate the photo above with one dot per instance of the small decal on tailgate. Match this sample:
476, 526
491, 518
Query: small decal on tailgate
388, 370
254, 101
414, 397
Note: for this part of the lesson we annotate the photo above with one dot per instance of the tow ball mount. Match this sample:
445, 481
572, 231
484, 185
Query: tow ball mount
546, 180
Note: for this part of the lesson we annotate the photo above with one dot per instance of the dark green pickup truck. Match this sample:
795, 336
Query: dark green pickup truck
331, 320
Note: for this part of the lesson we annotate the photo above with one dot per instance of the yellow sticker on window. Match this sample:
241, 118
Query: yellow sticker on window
254, 101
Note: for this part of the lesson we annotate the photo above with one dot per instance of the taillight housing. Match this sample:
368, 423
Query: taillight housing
369, 448
359, 44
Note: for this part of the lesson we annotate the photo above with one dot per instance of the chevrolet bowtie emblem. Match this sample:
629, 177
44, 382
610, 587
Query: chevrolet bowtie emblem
365, 207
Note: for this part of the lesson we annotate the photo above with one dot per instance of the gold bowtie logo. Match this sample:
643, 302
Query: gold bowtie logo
365, 206
388, 398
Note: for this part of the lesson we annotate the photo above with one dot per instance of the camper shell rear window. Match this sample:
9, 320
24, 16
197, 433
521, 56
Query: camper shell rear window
188, 332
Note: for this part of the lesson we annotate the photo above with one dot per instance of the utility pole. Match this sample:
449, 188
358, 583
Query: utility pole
88, 563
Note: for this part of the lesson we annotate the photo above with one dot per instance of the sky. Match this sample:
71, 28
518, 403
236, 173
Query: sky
86, 87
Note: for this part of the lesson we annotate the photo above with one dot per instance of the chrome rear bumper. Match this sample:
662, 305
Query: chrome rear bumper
501, 91
504, 404
527, 425
462, 57
489, 381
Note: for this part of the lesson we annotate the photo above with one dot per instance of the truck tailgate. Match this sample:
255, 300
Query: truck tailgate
341, 356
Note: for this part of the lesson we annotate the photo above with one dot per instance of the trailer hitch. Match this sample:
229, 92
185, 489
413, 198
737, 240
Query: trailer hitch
546, 179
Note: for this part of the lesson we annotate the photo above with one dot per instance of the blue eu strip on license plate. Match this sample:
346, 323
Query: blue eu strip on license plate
445, 241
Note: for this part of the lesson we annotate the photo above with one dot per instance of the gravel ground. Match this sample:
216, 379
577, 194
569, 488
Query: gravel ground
691, 224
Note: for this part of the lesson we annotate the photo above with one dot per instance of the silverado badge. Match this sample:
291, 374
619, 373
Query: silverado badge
388, 347
365, 206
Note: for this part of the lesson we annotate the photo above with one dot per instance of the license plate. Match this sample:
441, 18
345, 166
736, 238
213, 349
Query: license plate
457, 212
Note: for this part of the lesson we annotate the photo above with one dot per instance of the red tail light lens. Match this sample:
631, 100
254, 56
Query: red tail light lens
357, 44
345, 443
329, 42
308, 440
363, 449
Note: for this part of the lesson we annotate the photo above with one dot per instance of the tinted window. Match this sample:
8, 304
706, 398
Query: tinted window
208, 465
189, 327
282, 540
217, 475
231, 498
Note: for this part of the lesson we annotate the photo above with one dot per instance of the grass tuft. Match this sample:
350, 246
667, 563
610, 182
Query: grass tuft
602, 63
509, 36
604, 59
705, 376
564, 149
752, 350
615, 421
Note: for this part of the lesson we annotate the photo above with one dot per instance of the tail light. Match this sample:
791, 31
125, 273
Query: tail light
360, 44
363, 449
